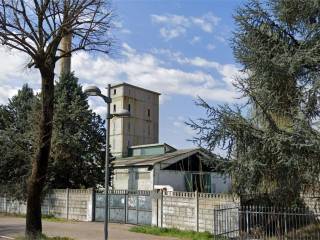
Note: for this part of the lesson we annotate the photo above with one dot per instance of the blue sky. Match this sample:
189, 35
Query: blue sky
178, 48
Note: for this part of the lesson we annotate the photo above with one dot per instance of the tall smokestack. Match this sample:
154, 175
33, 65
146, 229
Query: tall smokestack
66, 47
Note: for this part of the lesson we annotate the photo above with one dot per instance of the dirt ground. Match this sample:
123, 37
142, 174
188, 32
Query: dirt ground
13, 226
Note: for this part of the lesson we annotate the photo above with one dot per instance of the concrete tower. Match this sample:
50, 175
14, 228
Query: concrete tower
65, 62
142, 127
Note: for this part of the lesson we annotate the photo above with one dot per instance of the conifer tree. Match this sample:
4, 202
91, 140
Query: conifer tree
16, 142
78, 143
275, 150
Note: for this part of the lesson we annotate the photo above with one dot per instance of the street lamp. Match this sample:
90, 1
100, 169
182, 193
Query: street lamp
95, 91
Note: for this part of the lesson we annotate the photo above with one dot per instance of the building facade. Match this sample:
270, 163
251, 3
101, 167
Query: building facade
160, 166
142, 127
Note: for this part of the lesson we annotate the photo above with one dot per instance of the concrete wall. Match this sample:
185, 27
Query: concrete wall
195, 211
76, 204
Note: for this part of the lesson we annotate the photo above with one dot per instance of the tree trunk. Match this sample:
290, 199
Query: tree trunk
40, 162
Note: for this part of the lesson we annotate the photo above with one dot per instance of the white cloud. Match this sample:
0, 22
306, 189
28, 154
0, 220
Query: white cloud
174, 26
206, 22
13, 73
118, 26
195, 40
148, 71
228, 71
211, 46
180, 123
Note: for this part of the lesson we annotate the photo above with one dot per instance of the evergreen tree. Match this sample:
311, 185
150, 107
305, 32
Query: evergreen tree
275, 150
78, 140
16, 142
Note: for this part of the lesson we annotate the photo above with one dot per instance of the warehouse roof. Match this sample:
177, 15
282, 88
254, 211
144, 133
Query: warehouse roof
170, 157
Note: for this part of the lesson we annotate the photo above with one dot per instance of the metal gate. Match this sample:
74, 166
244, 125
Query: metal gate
226, 221
132, 207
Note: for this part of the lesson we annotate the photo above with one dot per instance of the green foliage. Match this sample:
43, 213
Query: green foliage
78, 140
16, 142
275, 149
172, 232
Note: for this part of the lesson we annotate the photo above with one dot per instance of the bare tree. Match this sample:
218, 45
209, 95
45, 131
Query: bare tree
36, 27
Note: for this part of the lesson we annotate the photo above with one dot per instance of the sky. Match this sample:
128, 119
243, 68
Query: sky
180, 49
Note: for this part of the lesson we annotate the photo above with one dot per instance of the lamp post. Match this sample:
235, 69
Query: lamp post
95, 91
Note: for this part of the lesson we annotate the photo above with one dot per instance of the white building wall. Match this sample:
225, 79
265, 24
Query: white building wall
133, 179
175, 179
144, 179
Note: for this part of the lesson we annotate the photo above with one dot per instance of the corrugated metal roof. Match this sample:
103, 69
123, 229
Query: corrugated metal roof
153, 159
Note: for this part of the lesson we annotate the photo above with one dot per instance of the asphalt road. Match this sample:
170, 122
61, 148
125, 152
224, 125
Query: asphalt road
12, 227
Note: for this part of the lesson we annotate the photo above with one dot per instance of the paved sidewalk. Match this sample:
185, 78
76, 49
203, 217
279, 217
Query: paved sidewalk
12, 226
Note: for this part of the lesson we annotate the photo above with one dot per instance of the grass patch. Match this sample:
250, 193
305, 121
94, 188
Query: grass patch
51, 218
172, 232
13, 215
308, 232
44, 237
48, 218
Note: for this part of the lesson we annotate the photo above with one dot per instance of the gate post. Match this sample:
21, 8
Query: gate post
125, 206
161, 208
67, 203
197, 210
91, 205
215, 221
137, 207
5, 203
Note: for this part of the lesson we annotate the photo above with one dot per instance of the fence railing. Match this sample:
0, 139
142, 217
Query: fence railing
271, 223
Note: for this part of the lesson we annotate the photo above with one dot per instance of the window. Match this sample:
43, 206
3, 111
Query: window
114, 91
148, 112
114, 108
129, 107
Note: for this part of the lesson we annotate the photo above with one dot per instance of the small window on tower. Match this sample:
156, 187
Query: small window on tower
114, 91
148, 112
129, 107
114, 108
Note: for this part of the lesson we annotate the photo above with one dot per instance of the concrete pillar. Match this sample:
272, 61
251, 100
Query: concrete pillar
156, 206
196, 210
67, 203
91, 205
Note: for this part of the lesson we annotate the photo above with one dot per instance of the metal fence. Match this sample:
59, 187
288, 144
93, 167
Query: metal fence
226, 221
271, 223
132, 207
